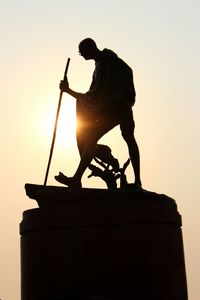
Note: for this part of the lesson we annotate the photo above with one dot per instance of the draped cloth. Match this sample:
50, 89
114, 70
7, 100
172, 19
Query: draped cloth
111, 90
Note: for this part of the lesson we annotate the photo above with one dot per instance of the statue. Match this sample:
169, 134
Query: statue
108, 103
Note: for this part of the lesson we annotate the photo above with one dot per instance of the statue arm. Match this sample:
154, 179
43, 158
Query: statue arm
64, 86
74, 94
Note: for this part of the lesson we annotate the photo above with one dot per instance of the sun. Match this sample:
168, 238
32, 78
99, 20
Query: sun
66, 127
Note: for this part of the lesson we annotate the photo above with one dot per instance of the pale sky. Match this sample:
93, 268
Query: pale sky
160, 40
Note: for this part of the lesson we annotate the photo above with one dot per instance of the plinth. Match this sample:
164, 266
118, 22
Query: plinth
101, 245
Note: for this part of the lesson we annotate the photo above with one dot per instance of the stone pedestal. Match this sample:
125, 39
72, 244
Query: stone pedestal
101, 245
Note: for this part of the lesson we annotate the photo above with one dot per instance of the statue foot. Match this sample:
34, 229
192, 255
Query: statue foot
69, 181
137, 186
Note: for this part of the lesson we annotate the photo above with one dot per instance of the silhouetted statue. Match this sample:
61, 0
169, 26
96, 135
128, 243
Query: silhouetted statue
108, 103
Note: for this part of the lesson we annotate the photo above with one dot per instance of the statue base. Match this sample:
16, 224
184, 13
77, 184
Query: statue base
101, 245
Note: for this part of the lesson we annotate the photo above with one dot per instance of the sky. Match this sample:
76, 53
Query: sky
160, 40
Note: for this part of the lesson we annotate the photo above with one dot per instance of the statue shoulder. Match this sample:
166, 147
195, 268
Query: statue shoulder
108, 54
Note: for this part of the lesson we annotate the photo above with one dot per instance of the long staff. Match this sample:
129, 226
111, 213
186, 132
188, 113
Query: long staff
55, 126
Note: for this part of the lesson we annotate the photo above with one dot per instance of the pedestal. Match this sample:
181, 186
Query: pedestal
101, 245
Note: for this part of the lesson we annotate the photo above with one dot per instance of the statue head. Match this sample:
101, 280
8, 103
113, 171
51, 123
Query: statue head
88, 49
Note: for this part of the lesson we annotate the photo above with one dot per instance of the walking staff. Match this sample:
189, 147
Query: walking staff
55, 126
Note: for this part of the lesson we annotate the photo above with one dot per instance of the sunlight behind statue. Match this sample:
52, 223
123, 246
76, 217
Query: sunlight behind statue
108, 103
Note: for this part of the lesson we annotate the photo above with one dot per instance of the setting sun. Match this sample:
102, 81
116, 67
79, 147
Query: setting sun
66, 128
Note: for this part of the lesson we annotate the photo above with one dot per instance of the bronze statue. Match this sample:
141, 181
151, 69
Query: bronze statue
108, 103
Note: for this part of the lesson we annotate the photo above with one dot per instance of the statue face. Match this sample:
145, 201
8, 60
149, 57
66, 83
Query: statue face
86, 53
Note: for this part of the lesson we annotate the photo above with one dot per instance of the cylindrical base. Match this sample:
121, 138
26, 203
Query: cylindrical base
126, 248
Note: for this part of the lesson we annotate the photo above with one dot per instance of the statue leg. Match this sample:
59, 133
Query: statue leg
135, 158
87, 153
86, 156
127, 126
93, 135
84, 124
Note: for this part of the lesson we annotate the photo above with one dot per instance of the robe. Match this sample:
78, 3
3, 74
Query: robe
111, 89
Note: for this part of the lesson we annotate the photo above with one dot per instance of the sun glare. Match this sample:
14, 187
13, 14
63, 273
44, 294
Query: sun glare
66, 127
66, 130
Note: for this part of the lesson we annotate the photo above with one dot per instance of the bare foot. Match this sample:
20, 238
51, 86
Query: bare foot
69, 181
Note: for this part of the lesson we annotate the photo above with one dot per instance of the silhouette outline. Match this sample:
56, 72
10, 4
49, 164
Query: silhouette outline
108, 103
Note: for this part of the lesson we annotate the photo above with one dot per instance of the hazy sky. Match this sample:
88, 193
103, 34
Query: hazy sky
160, 40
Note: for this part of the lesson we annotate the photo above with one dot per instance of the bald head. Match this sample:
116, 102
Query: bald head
88, 49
